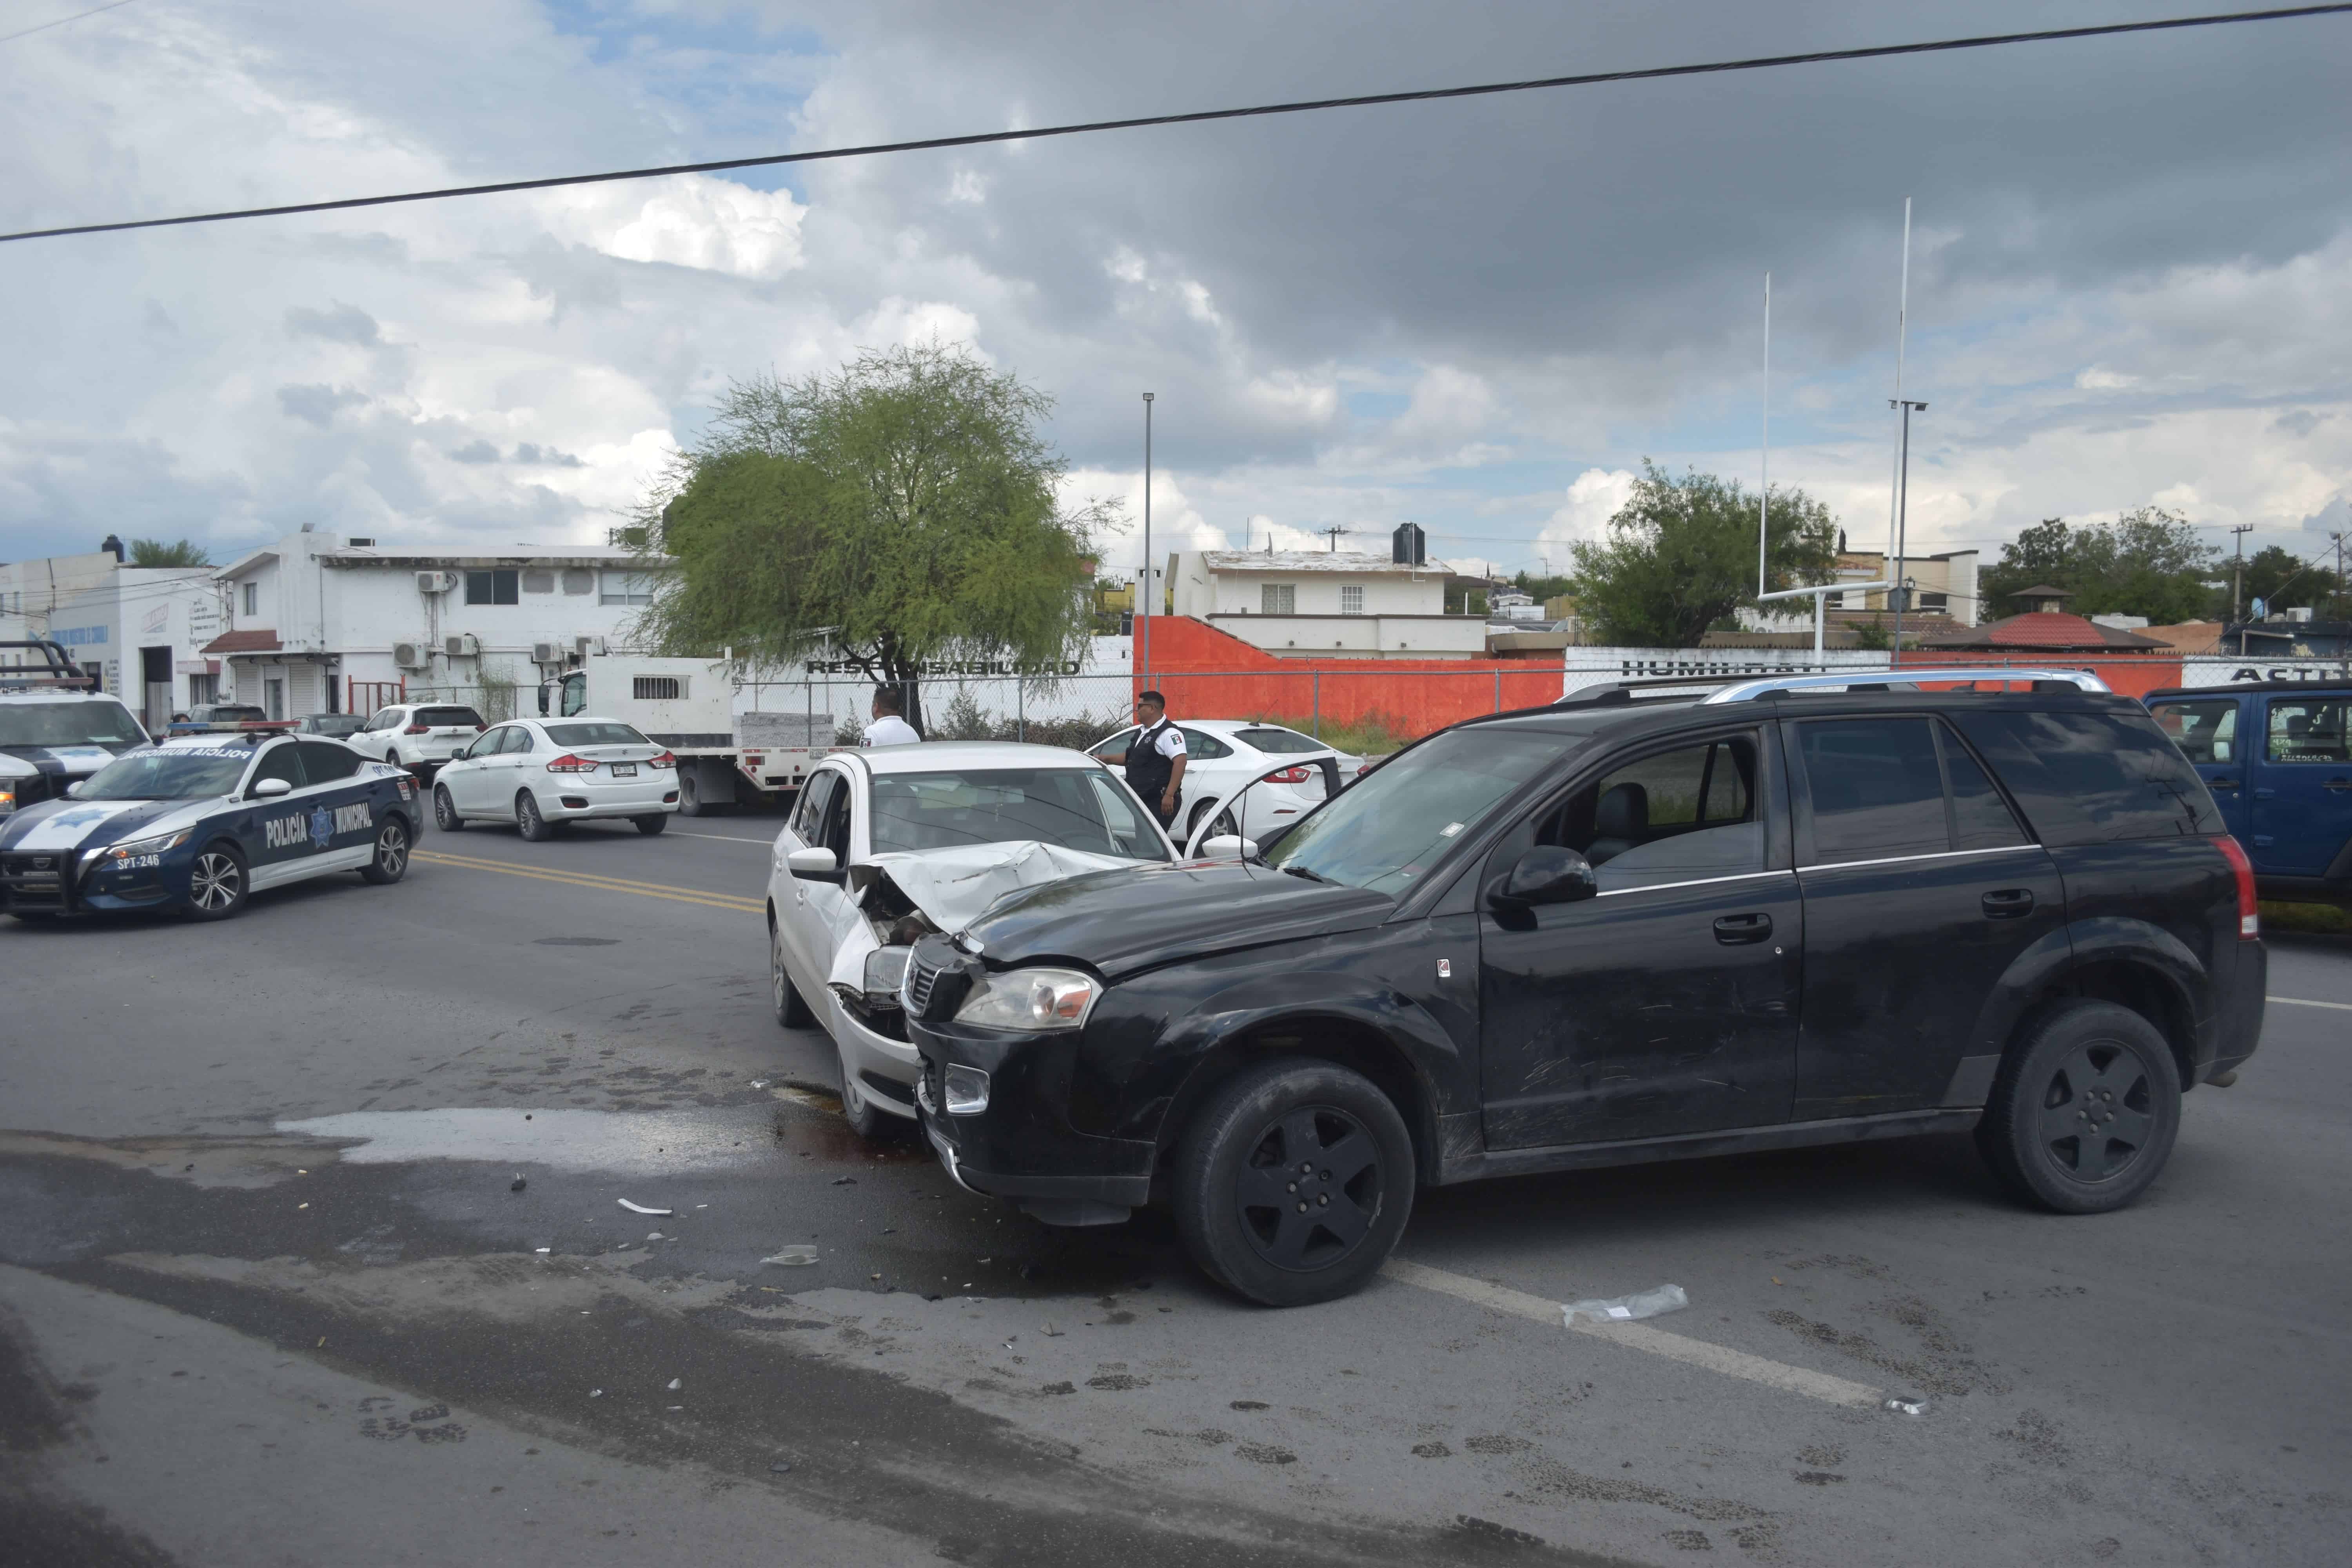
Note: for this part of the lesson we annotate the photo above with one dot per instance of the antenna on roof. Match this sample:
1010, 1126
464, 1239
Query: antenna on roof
1335, 530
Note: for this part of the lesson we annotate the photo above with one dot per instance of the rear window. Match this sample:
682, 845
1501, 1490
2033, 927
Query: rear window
443, 716
595, 736
2095, 778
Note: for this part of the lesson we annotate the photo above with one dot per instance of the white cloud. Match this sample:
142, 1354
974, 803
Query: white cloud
1595, 496
691, 220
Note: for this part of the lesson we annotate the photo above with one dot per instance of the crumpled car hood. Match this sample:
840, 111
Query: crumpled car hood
951, 887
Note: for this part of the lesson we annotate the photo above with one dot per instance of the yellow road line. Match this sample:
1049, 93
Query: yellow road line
599, 884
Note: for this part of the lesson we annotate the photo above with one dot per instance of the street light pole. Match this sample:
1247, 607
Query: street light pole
1902, 590
1143, 593
2238, 571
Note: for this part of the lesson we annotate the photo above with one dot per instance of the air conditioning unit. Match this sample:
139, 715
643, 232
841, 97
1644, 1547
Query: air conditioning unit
588, 648
546, 653
461, 644
408, 655
436, 582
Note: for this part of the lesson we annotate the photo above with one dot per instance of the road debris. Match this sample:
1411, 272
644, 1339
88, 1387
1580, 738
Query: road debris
542, 1250
655, 1235
640, 1208
759, 1083
1052, 1332
1906, 1405
676, 1383
518, 1184
1626, 1308
779, 1467
595, 1393
792, 1257
844, 1181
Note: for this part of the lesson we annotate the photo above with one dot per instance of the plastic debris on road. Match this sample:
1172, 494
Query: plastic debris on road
1907, 1405
1626, 1308
792, 1257
640, 1208
676, 1383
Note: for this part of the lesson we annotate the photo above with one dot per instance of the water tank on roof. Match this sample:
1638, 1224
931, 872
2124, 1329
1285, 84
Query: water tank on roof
1408, 546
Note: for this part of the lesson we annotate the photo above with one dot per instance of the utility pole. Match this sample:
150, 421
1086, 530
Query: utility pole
1335, 530
1903, 446
2342, 648
2238, 571
1143, 594
1901, 592
1764, 451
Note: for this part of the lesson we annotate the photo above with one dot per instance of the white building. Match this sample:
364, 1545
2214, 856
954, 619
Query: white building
141, 629
320, 622
1302, 602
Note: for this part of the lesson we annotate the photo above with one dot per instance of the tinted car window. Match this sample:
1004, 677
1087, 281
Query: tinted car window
1980, 818
519, 740
2307, 730
1202, 746
2205, 729
1678, 815
382, 719
279, 762
1113, 747
1281, 742
323, 760
447, 716
1875, 788
595, 736
2093, 778
810, 810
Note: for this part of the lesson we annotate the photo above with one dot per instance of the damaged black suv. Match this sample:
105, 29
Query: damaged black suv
1631, 927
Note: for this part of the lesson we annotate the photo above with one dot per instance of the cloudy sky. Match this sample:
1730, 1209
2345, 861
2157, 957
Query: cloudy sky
2131, 272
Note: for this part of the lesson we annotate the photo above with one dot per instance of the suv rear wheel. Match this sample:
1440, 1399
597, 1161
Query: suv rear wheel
2085, 1111
1294, 1181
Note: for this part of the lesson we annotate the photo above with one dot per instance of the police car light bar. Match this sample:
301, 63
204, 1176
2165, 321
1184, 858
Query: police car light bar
228, 726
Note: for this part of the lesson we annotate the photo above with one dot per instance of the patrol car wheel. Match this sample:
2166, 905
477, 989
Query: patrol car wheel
391, 862
534, 826
791, 1011
445, 810
217, 883
2084, 1110
1294, 1181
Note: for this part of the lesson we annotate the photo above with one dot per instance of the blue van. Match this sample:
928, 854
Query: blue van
2275, 755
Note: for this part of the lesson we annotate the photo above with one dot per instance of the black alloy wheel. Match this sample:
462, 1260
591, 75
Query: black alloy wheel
390, 862
1294, 1181
2085, 1110
535, 827
791, 1011
217, 886
445, 810
652, 822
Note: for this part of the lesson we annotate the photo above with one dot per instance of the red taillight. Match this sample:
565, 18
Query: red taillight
418, 729
2250, 915
568, 763
1288, 776
668, 761
479, 728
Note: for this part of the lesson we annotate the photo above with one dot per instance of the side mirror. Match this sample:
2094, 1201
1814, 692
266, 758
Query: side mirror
813, 866
75, 787
1226, 847
271, 789
1547, 874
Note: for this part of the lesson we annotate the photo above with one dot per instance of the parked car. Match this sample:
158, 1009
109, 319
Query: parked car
56, 728
418, 736
1226, 754
210, 714
885, 845
334, 726
1611, 932
2278, 756
543, 774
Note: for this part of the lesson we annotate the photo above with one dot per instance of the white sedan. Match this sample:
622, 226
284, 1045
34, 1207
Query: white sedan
1226, 754
544, 774
889, 844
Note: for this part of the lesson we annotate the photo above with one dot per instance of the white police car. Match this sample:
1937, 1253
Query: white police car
203, 822
56, 728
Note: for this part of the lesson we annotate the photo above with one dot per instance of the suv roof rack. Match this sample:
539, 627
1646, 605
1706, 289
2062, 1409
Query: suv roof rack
57, 670
1862, 681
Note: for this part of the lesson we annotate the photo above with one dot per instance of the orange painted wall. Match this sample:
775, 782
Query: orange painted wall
2133, 675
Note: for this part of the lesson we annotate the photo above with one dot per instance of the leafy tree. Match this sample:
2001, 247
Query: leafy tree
1540, 588
180, 552
899, 512
2283, 583
2148, 562
1680, 555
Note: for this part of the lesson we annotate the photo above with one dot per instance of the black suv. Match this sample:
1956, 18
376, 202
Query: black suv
1609, 931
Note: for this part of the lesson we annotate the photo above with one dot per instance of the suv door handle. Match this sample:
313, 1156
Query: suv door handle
2338, 784
1733, 930
2220, 783
2008, 903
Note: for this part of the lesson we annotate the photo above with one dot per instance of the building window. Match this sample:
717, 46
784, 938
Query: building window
1932, 601
498, 587
579, 579
627, 588
1351, 599
1278, 599
539, 581
253, 598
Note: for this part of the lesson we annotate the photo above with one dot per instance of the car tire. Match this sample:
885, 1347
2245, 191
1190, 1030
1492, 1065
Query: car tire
2084, 1109
866, 1118
390, 862
791, 1011
393, 757
689, 794
1248, 1142
445, 811
220, 882
652, 823
536, 829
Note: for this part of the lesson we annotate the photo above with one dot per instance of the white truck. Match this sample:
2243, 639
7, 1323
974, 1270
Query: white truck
724, 758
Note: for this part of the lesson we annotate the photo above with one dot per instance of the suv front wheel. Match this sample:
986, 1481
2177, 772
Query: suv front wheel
2084, 1110
1294, 1181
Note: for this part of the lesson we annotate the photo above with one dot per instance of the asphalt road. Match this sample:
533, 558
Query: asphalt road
268, 1293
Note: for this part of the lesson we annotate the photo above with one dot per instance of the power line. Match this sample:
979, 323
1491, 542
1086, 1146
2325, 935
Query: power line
1196, 117
28, 31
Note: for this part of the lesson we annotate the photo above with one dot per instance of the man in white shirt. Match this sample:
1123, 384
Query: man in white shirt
1155, 758
888, 729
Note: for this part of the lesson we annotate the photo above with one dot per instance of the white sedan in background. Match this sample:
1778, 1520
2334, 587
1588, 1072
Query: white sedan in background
1226, 754
889, 844
542, 774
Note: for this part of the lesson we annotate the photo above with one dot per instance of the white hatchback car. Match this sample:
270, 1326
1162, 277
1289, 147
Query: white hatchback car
888, 843
542, 773
419, 736
1226, 754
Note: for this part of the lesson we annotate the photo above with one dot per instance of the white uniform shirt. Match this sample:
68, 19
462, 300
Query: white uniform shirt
891, 731
1170, 744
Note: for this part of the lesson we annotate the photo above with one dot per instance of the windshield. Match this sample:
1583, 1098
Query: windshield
180, 773
595, 736
1070, 807
68, 724
1282, 742
1388, 829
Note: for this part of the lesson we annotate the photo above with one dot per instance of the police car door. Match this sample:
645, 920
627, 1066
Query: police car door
274, 830
351, 801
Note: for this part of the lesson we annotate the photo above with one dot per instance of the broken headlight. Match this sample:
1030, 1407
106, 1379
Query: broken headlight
1029, 999
886, 972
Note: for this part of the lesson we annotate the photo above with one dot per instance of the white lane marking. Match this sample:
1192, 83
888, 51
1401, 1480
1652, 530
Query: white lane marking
1818, 1385
729, 837
2305, 1002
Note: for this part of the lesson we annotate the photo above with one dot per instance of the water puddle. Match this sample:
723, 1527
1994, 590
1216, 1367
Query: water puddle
562, 1140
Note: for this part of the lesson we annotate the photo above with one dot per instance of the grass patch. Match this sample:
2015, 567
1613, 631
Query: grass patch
2321, 920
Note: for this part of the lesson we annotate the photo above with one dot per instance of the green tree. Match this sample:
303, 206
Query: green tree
901, 512
2148, 562
1680, 555
2283, 583
180, 552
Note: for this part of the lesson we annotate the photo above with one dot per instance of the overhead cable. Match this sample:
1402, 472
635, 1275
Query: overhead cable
44, 26
1203, 116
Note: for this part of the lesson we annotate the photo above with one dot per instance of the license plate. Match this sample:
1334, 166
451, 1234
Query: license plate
625, 770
